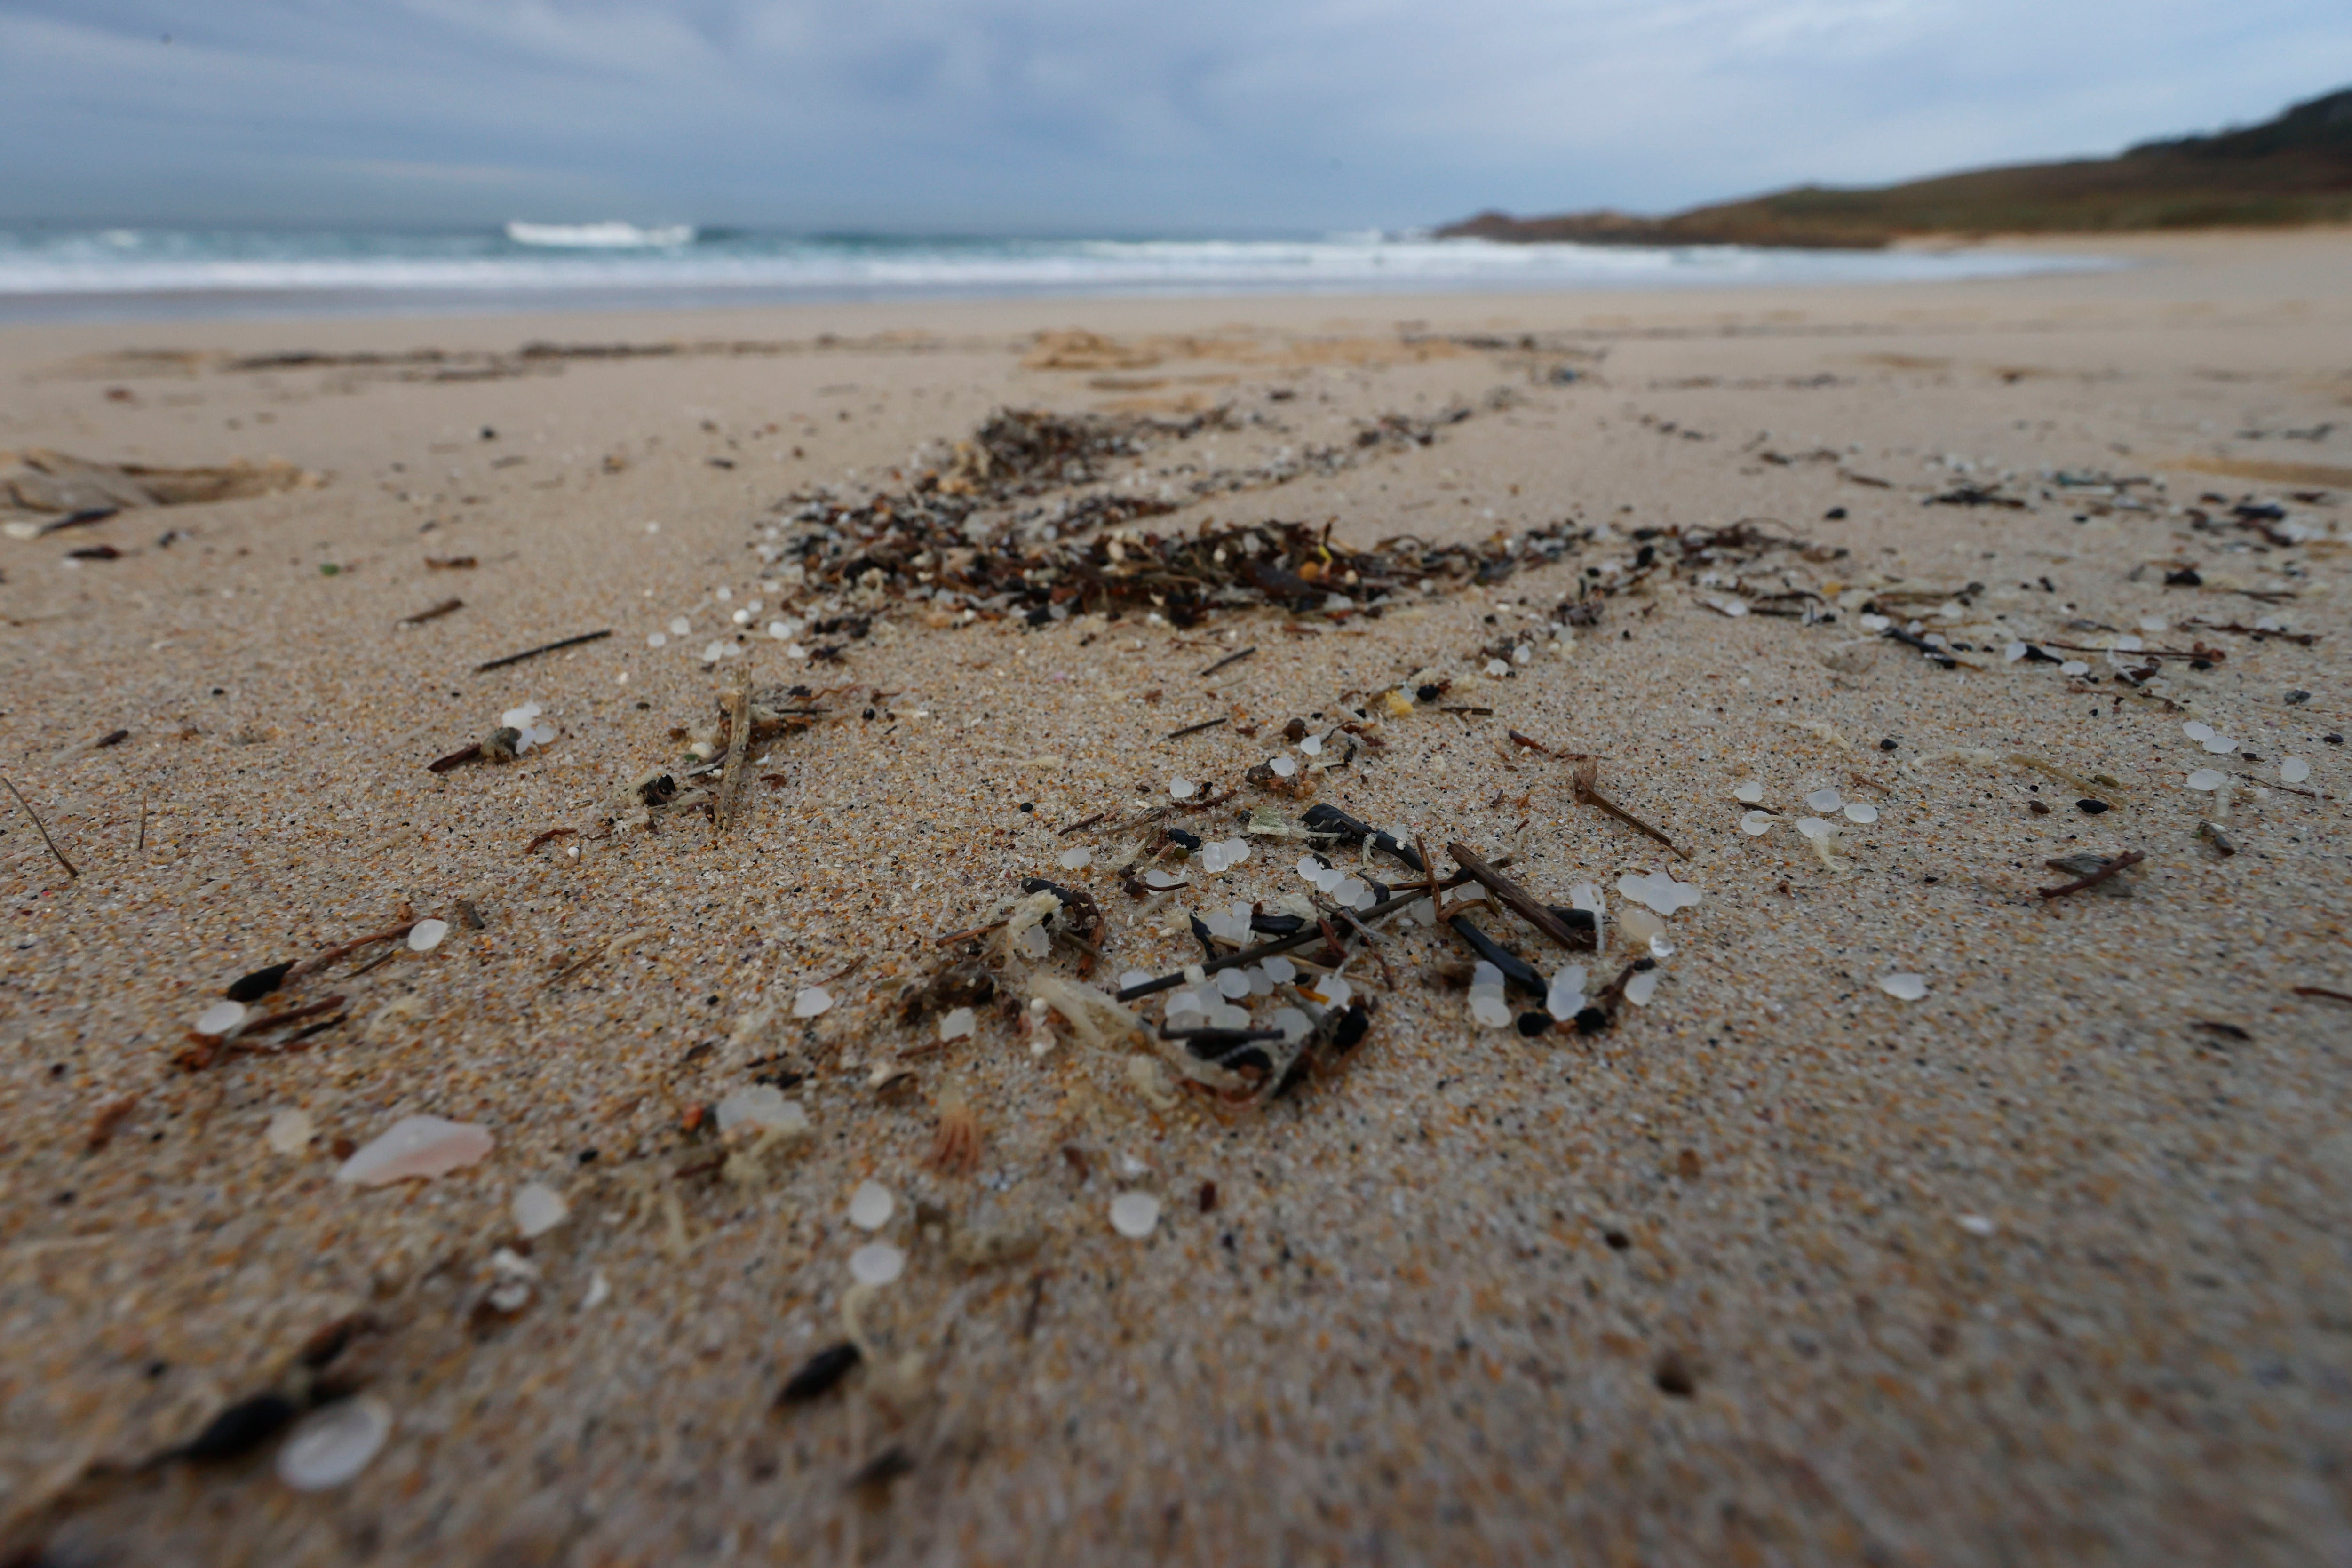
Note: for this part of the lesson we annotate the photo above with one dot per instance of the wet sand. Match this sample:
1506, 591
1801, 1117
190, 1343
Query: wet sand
2046, 1265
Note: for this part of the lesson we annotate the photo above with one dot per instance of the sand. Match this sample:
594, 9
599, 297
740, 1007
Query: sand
2047, 1266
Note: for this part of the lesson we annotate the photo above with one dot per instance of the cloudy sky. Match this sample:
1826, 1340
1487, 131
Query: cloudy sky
1084, 116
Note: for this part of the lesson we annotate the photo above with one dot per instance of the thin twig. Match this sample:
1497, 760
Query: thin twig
543, 647
1079, 827
2323, 991
2129, 857
1583, 785
44, 830
729, 806
318, 960
1229, 659
433, 614
550, 836
443, 764
1191, 729
1520, 902
1529, 741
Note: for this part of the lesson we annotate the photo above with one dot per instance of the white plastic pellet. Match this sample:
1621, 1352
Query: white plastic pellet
871, 1206
425, 935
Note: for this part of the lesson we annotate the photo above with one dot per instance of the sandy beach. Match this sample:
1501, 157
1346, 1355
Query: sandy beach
1901, 1211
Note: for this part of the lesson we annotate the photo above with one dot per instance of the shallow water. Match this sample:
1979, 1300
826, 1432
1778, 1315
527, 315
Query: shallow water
103, 274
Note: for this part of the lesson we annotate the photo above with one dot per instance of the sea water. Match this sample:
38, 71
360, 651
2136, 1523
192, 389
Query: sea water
87, 273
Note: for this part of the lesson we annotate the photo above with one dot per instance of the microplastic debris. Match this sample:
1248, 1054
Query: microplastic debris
2012, 653
1565, 999
1642, 986
762, 1106
2197, 731
1976, 1224
416, 1146
1312, 745
811, 1001
1335, 991
1641, 925
1825, 799
871, 1206
657, 639
1814, 827
1075, 859
957, 1025
2075, 666
680, 626
2220, 745
1135, 1214
1858, 811
1659, 892
1750, 792
877, 1263
1280, 970
1903, 987
1159, 881
1181, 788
219, 1018
1284, 767
2208, 779
538, 1209
1497, 668
288, 1132
2293, 770
333, 1444
425, 935
1660, 947
1135, 977
1755, 824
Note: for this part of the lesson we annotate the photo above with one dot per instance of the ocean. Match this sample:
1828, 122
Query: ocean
63, 274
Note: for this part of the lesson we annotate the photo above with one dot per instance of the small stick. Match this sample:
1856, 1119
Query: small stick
1529, 741
955, 936
550, 836
729, 805
143, 824
1518, 901
318, 960
1457, 709
1193, 728
543, 647
443, 764
2322, 991
1581, 784
291, 1016
2129, 857
1079, 827
43, 829
1229, 659
435, 613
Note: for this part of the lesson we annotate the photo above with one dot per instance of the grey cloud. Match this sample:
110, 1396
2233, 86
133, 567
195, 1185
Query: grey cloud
1065, 116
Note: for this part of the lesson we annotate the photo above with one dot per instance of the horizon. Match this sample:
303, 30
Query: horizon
1040, 118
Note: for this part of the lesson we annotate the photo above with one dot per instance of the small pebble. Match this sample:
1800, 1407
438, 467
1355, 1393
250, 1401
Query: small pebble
425, 935
219, 1018
417, 1146
871, 1206
762, 1105
538, 1209
877, 1263
289, 1133
331, 1447
1135, 1214
1903, 987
